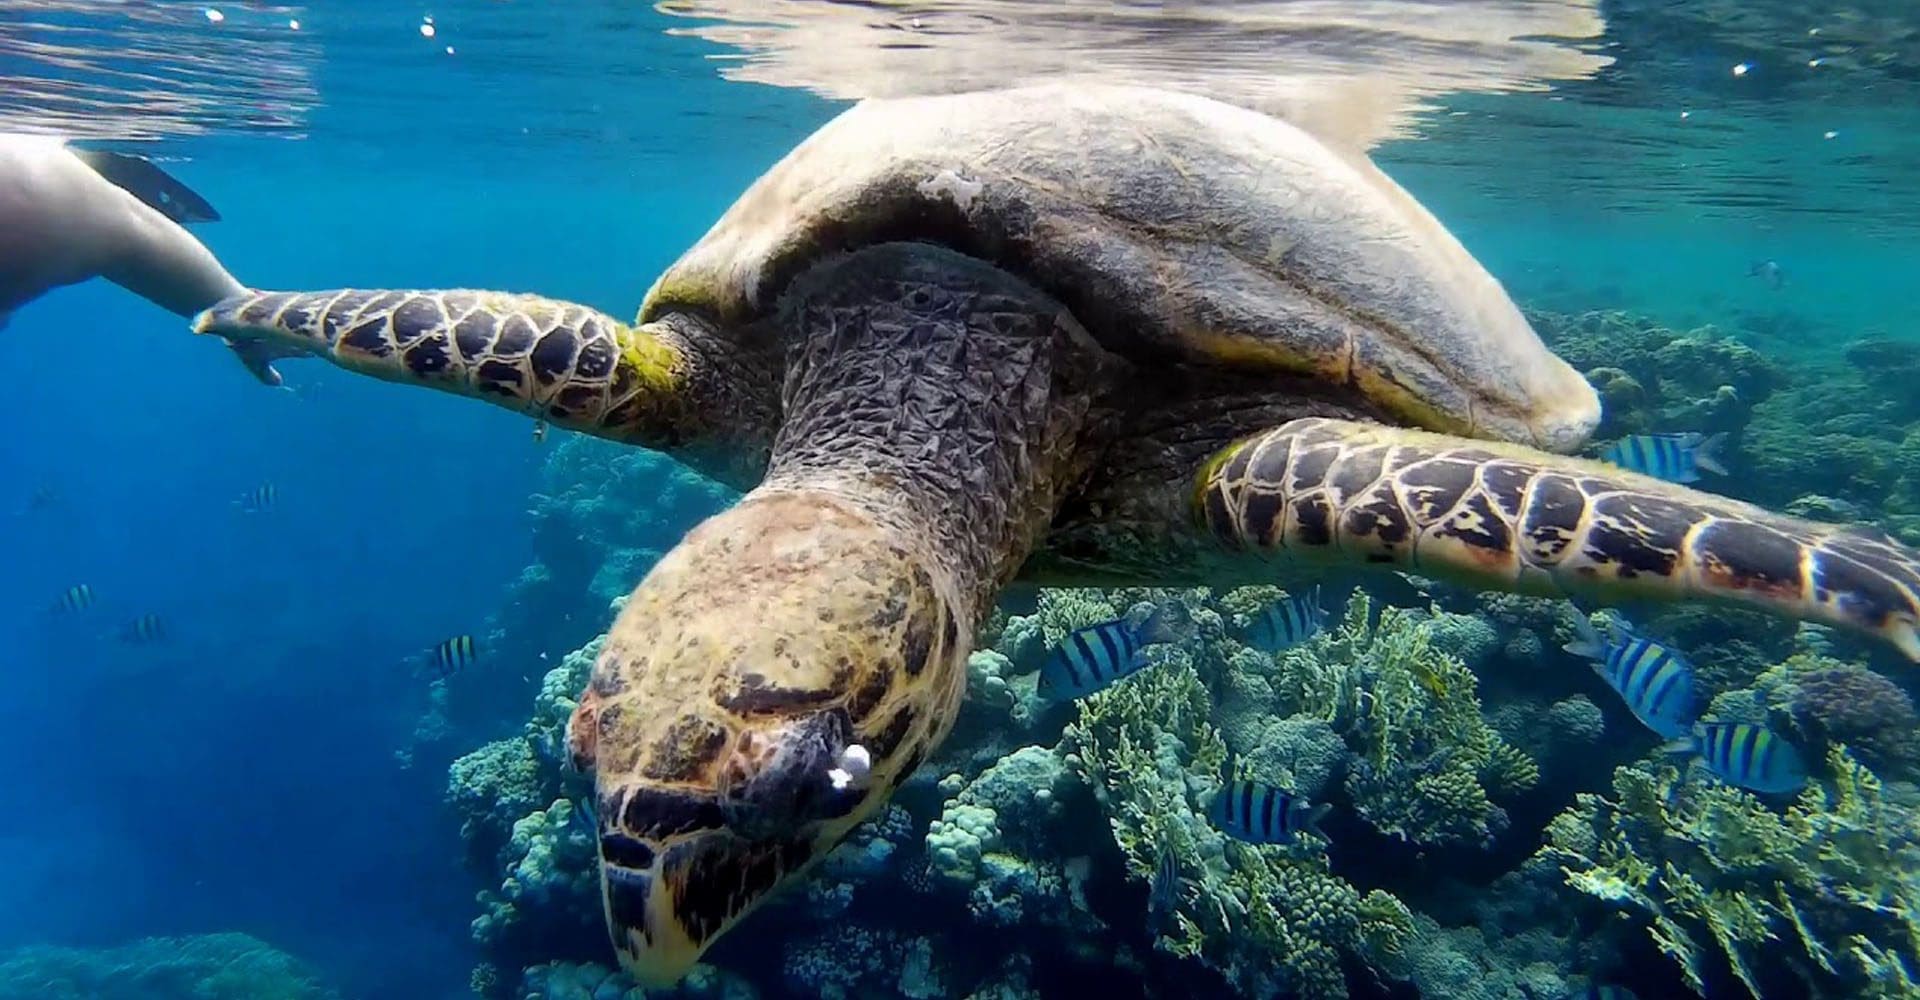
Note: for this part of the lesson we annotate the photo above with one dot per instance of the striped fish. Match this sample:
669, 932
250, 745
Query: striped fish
454, 655
1287, 622
260, 498
1654, 681
1753, 757
1093, 657
78, 597
1259, 813
144, 629
1677, 458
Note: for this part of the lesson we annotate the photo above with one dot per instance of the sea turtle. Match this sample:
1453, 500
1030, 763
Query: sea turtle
1064, 334
68, 214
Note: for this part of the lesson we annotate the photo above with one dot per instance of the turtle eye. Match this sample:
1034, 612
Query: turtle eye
784, 778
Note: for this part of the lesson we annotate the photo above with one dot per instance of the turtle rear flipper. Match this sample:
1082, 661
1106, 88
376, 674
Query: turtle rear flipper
160, 190
1521, 520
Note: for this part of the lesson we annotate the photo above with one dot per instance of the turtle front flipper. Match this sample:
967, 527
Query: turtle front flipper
659, 385
1510, 517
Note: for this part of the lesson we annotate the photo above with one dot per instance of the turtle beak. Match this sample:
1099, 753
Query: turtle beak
678, 869
663, 918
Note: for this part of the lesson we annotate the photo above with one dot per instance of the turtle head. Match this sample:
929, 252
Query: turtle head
765, 689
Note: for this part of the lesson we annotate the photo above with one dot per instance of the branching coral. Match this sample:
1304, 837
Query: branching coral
1836, 877
1427, 763
1266, 917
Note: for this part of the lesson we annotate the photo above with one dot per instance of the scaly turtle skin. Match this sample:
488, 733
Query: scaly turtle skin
1065, 335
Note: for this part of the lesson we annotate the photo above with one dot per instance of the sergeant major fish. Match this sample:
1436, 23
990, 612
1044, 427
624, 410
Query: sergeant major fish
78, 597
1287, 622
260, 498
1091, 658
1676, 458
1654, 681
144, 629
1259, 813
1739, 753
453, 655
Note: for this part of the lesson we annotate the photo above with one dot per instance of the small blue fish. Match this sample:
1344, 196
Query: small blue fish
1768, 271
78, 597
1676, 458
1259, 813
1163, 893
1654, 681
1093, 657
1288, 622
1753, 757
144, 629
453, 655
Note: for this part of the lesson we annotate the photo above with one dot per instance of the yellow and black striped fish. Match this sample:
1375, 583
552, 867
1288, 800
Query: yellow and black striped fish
1656, 682
1753, 757
146, 628
1677, 458
260, 498
1095, 656
454, 655
78, 597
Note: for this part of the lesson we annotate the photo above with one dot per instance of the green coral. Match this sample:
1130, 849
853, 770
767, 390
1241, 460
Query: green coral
1268, 917
1428, 765
1829, 889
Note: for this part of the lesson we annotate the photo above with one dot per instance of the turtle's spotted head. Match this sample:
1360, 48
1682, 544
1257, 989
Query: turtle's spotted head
765, 689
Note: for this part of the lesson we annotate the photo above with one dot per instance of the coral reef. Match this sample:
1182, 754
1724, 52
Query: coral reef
1825, 893
1426, 765
1448, 731
1848, 703
1652, 379
207, 967
1268, 918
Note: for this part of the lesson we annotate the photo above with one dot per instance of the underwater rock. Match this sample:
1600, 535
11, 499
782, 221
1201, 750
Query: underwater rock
205, 967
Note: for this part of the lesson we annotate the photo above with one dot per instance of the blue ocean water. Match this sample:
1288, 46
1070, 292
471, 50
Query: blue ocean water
242, 775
